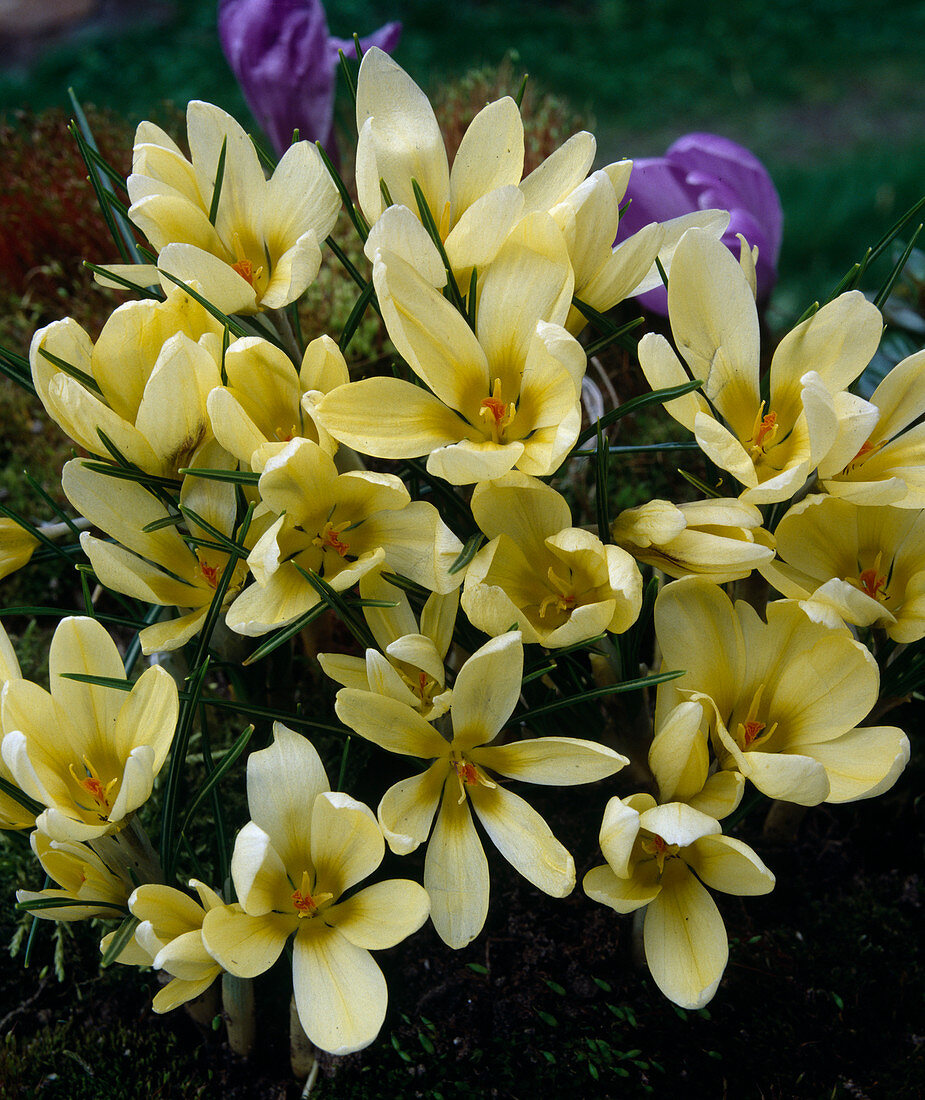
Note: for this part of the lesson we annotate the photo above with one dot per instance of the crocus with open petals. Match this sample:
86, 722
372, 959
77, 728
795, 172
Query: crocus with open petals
302, 849
455, 868
663, 858
88, 753
783, 698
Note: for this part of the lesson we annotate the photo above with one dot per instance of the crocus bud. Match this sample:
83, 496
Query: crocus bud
286, 63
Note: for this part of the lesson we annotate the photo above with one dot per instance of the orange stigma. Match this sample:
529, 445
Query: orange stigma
245, 269
496, 413
304, 903
872, 584
329, 539
210, 572
751, 730
764, 432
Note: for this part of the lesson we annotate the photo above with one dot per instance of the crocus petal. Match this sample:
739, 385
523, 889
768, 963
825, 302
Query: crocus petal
685, 939
551, 760
340, 993
388, 723
724, 863
862, 763
522, 836
487, 689
456, 873
180, 991
624, 895
283, 782
407, 809
381, 915
346, 840
243, 945
259, 874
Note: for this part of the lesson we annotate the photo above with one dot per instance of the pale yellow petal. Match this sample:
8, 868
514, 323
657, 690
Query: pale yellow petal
245, 946
522, 836
685, 939
407, 809
456, 873
551, 760
340, 993
381, 915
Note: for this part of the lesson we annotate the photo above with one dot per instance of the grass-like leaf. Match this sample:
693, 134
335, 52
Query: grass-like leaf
597, 693
122, 935
656, 397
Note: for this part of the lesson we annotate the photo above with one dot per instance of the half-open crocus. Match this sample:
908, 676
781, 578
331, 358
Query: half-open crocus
699, 172
455, 868
250, 243
13, 814
862, 565
663, 858
286, 62
409, 667
303, 848
338, 526
81, 876
720, 538
783, 699
768, 445
559, 583
88, 753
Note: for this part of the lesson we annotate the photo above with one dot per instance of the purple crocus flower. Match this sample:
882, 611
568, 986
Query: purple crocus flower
702, 172
286, 63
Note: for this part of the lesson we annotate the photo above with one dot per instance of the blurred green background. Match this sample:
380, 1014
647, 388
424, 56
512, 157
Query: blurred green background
829, 93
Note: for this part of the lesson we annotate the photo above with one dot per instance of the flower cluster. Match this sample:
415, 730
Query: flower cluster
242, 481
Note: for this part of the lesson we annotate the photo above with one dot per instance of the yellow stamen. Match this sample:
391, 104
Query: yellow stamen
469, 776
305, 904
497, 415
444, 226
93, 785
564, 598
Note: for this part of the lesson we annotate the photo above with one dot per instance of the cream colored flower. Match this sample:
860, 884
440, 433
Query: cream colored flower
559, 583
13, 815
783, 699
169, 938
663, 858
339, 526
606, 274
304, 847
455, 868
81, 876
159, 566
259, 409
17, 546
865, 565
771, 446
474, 206
503, 396
87, 753
147, 380
260, 248
722, 539
409, 667
878, 458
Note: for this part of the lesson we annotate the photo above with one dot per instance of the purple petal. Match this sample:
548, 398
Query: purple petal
286, 63
703, 172
742, 172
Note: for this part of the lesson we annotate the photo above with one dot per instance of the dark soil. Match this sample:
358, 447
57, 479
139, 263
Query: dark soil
822, 996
